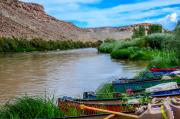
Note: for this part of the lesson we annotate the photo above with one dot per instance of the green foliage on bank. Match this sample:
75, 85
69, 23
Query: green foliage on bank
12, 44
155, 28
30, 108
139, 32
161, 49
105, 91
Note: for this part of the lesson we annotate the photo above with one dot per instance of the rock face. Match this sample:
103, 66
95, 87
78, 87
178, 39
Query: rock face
113, 32
29, 20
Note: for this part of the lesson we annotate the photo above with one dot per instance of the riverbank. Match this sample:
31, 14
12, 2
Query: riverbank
160, 49
13, 44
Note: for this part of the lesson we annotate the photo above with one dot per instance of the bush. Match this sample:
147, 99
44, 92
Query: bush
164, 59
176, 43
121, 54
155, 28
139, 32
136, 42
106, 47
30, 108
159, 40
141, 55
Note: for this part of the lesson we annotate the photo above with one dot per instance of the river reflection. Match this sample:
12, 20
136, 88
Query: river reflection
59, 72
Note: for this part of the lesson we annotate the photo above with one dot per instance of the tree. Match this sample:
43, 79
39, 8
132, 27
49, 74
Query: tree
138, 32
155, 28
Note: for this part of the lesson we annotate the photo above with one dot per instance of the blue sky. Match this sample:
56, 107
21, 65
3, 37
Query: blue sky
99, 13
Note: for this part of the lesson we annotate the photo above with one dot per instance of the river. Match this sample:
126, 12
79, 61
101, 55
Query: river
60, 73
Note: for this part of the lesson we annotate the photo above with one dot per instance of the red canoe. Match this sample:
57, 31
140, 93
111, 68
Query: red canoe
164, 69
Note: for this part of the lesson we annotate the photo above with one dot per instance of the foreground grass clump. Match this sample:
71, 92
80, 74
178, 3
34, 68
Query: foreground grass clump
30, 108
23, 45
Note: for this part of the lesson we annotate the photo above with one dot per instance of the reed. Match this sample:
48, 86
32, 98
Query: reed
30, 108
161, 49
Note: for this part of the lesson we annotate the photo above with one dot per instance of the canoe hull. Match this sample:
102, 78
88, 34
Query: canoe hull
97, 116
139, 85
66, 105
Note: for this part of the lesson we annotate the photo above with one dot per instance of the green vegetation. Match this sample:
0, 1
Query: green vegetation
105, 91
30, 108
23, 45
160, 49
139, 32
155, 28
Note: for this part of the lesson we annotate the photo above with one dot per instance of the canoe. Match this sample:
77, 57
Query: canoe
117, 96
167, 93
164, 69
108, 104
95, 116
139, 85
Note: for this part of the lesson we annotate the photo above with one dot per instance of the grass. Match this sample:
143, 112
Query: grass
12, 44
106, 47
30, 108
161, 49
105, 91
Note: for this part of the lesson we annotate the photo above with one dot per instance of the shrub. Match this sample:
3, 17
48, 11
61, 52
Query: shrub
139, 32
136, 42
164, 59
109, 40
176, 43
121, 54
155, 28
106, 47
141, 55
159, 40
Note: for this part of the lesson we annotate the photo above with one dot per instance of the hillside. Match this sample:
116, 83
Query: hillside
29, 20
113, 32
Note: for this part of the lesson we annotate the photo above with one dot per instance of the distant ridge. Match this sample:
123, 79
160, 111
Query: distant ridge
29, 20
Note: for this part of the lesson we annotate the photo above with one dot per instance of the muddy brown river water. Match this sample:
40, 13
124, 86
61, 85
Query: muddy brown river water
59, 73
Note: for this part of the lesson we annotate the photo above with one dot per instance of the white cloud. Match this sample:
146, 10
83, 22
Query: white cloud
169, 21
115, 16
172, 17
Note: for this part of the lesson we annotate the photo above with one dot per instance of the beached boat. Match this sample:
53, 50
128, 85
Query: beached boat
108, 104
94, 116
164, 69
167, 93
139, 85
117, 96
98, 116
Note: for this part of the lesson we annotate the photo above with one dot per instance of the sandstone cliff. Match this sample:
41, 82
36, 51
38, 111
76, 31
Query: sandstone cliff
29, 20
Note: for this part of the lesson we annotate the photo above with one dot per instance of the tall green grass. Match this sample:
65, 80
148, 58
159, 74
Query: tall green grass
30, 108
161, 49
105, 91
23, 45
